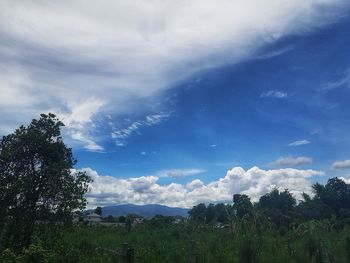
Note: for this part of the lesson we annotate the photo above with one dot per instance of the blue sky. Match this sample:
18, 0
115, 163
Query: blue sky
234, 115
180, 112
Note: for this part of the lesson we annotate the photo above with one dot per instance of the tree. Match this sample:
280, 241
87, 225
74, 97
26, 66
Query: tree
198, 213
242, 207
222, 213
36, 180
122, 219
283, 201
98, 210
210, 214
335, 194
278, 206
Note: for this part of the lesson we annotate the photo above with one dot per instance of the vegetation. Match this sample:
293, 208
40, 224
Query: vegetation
36, 181
312, 241
39, 192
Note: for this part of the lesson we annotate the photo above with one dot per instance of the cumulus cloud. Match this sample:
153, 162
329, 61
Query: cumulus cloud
346, 180
274, 94
345, 164
291, 161
299, 143
255, 182
61, 55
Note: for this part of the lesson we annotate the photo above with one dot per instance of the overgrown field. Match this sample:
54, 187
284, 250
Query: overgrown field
308, 242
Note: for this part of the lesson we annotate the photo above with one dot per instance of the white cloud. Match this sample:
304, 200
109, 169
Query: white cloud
57, 55
346, 180
274, 53
255, 182
174, 173
121, 135
345, 164
274, 94
292, 161
299, 143
79, 122
342, 82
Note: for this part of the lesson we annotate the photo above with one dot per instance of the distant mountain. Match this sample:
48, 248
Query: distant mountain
143, 210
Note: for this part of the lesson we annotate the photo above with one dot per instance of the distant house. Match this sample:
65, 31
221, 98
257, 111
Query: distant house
93, 218
136, 220
88, 217
179, 219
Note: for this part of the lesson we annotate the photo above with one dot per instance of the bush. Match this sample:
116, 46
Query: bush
8, 256
35, 254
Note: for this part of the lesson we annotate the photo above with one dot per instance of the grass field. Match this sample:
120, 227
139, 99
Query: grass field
310, 242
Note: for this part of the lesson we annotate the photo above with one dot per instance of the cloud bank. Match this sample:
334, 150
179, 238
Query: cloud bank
108, 190
84, 58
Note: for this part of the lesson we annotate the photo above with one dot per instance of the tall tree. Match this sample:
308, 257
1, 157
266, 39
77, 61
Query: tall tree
283, 201
335, 194
36, 179
210, 214
278, 206
198, 213
242, 207
98, 210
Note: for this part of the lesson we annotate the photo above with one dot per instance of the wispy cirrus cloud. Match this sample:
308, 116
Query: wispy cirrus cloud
274, 94
299, 143
121, 135
342, 82
176, 173
274, 53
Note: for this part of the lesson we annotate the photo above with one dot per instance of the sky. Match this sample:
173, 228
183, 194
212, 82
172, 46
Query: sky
182, 102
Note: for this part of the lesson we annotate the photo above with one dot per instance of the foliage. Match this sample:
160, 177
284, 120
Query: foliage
335, 194
98, 210
8, 256
36, 181
243, 208
198, 213
35, 254
170, 243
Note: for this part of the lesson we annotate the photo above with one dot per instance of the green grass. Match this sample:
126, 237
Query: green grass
172, 244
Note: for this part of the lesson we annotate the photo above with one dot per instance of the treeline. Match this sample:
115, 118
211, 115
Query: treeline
280, 208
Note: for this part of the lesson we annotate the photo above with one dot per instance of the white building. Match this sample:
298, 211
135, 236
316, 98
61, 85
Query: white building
93, 218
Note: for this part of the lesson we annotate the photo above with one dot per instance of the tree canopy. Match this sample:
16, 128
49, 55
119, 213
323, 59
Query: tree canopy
37, 182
